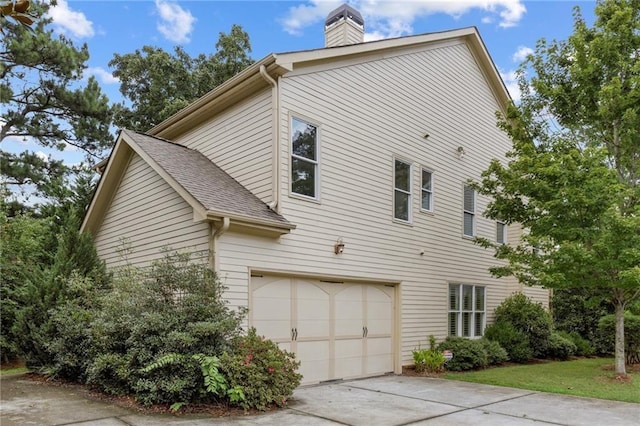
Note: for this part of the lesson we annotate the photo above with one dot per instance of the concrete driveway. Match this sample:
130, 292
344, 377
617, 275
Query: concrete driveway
386, 401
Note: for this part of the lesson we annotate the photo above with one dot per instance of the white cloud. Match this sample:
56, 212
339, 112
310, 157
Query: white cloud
175, 23
388, 19
68, 21
522, 53
41, 155
510, 81
102, 75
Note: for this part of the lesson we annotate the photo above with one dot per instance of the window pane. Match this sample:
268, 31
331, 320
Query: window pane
500, 228
303, 140
468, 224
454, 297
426, 180
401, 205
303, 177
426, 200
453, 324
479, 321
469, 199
466, 324
479, 298
403, 176
467, 297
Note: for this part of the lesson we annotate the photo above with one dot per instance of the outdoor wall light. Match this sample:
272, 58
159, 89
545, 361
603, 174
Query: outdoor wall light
338, 247
461, 152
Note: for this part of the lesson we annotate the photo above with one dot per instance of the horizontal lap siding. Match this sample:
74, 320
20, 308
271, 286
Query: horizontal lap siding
148, 215
364, 121
240, 142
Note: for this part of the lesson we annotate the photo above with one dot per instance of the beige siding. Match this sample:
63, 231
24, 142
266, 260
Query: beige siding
364, 122
239, 141
147, 215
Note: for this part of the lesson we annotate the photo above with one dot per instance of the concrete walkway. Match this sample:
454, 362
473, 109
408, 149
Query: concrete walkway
385, 401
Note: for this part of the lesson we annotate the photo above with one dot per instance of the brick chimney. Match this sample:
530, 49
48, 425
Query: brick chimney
343, 26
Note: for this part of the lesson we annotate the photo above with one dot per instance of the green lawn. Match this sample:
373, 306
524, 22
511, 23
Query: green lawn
18, 370
591, 377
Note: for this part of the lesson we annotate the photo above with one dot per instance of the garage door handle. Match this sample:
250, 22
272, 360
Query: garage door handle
294, 334
364, 331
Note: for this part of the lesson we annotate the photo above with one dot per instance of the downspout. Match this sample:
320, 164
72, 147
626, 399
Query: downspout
275, 138
214, 261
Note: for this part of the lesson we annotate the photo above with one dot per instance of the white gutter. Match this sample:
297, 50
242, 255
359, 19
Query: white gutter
214, 261
275, 138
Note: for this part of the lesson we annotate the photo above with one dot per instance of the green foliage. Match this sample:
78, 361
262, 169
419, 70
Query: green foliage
159, 330
529, 318
606, 342
583, 346
578, 310
496, 354
158, 84
560, 347
467, 354
45, 97
429, 360
264, 373
514, 341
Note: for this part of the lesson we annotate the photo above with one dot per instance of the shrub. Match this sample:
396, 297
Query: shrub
560, 347
496, 354
514, 341
607, 335
529, 318
429, 360
467, 354
264, 373
176, 307
583, 346
577, 310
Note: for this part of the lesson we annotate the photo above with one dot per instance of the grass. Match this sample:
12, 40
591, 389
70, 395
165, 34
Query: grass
10, 371
590, 377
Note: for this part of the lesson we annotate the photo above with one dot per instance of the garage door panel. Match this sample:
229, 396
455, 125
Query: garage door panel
379, 357
315, 360
271, 309
348, 311
348, 358
379, 310
312, 311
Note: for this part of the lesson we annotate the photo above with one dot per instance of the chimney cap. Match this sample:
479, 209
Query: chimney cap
343, 12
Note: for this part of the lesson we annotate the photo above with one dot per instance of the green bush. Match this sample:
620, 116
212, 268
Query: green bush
529, 318
607, 335
467, 354
583, 346
577, 310
176, 307
496, 354
514, 341
559, 347
264, 373
429, 360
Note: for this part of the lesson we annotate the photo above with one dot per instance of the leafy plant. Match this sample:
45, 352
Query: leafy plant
467, 354
258, 369
560, 347
514, 341
583, 346
496, 354
606, 329
429, 360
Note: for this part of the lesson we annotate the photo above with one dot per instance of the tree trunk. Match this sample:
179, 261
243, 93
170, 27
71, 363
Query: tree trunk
620, 358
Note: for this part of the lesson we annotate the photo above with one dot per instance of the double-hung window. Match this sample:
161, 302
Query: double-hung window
469, 212
304, 158
501, 232
402, 191
427, 191
466, 310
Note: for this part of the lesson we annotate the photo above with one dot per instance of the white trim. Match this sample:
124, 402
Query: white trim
473, 311
504, 232
316, 162
409, 193
430, 171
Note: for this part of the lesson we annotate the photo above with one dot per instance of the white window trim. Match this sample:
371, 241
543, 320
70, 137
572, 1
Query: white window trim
316, 163
410, 192
472, 213
460, 311
431, 210
504, 232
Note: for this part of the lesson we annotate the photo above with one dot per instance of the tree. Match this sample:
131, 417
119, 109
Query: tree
43, 99
572, 175
158, 84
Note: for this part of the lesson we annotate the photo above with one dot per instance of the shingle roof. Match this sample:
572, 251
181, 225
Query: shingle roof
206, 182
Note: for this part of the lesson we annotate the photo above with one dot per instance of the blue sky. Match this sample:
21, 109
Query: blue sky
509, 28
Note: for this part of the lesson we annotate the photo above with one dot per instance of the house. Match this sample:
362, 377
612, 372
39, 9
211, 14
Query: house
328, 188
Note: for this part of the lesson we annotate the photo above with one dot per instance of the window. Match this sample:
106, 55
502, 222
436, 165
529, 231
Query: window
466, 310
402, 191
427, 190
469, 211
501, 232
304, 158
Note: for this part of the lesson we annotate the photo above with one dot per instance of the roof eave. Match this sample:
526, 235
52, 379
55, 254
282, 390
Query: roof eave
251, 223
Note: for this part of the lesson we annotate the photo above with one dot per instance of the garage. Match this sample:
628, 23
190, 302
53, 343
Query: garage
338, 330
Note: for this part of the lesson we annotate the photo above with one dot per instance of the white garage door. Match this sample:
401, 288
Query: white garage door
336, 330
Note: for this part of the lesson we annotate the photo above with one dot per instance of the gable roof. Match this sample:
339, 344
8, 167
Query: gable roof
252, 80
211, 192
